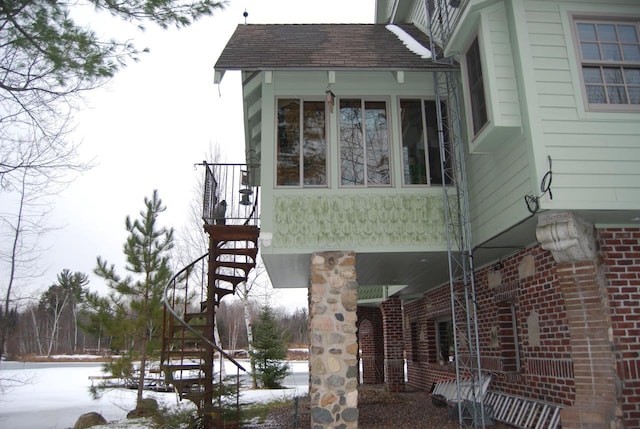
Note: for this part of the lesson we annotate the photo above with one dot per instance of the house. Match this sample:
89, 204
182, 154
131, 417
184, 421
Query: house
511, 125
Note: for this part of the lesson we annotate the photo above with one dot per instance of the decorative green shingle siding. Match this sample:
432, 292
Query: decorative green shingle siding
359, 222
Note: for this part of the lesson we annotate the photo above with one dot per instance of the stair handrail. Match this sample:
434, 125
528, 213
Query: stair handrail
167, 306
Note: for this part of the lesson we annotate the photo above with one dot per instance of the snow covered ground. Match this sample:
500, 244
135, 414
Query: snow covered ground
52, 395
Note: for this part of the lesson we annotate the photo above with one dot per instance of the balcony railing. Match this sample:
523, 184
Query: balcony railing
444, 16
230, 194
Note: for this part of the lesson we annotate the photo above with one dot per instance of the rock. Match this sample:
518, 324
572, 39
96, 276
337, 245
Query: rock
88, 420
147, 407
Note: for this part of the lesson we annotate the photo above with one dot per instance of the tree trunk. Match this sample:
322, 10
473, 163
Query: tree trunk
248, 323
216, 339
143, 365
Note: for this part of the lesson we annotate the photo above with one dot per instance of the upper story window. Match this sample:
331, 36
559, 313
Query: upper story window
420, 143
301, 143
476, 87
364, 143
610, 61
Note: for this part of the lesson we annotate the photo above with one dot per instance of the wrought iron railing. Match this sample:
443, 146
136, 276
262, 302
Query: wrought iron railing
230, 194
445, 15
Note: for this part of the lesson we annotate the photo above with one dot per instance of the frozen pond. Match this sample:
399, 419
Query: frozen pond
52, 395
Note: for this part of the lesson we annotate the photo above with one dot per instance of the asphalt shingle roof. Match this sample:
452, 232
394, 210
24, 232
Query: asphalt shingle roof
320, 46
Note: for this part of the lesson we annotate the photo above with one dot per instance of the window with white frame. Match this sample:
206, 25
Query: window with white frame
301, 143
420, 143
609, 53
364, 143
477, 97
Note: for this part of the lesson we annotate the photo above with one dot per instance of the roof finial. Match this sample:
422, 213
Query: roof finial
245, 14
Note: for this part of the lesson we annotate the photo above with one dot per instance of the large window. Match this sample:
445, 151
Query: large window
301, 145
420, 143
476, 87
610, 60
364, 143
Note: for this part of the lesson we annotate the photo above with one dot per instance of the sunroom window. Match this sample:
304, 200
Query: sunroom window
610, 61
364, 143
420, 143
476, 87
301, 143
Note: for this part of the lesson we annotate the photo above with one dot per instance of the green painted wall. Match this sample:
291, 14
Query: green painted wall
334, 217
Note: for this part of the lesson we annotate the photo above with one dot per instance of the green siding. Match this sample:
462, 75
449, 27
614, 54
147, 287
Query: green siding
596, 155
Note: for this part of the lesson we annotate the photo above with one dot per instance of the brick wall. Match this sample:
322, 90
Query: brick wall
620, 250
528, 281
546, 370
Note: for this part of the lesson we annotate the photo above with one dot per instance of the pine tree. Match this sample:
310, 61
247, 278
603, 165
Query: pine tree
269, 349
147, 255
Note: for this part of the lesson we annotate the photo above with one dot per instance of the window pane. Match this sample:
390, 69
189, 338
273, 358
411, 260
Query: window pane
590, 51
631, 52
592, 74
617, 95
288, 144
476, 85
612, 75
627, 33
632, 76
607, 32
611, 52
413, 148
586, 32
595, 94
433, 142
351, 143
315, 146
634, 95
377, 149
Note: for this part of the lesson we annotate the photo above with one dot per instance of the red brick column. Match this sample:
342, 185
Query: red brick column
371, 340
393, 344
573, 244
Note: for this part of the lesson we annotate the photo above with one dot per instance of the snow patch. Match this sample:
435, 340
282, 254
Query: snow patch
412, 44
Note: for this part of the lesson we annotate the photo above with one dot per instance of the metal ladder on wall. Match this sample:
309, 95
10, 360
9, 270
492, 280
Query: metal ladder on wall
442, 17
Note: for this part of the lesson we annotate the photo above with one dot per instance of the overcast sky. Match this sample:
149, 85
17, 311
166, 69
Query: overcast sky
154, 121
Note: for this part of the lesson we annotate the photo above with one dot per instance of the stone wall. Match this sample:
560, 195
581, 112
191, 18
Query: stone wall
333, 382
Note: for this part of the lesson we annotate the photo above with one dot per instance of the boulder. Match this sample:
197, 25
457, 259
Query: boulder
88, 420
147, 407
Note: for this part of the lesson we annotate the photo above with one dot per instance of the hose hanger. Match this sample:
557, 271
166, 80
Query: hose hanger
533, 201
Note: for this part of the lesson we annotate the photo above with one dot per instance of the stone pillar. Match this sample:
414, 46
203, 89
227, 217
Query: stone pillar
333, 366
393, 344
573, 244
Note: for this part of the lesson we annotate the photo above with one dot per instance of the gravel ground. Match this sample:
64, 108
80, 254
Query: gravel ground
378, 410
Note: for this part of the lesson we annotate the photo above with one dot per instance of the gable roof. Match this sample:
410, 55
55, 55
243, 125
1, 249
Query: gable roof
321, 47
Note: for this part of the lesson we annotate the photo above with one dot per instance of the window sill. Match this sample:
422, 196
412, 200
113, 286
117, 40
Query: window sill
491, 138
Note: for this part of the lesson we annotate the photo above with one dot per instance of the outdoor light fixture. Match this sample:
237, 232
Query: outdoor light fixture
331, 99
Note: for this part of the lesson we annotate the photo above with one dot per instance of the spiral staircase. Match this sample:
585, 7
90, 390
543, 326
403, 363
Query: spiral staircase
191, 360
